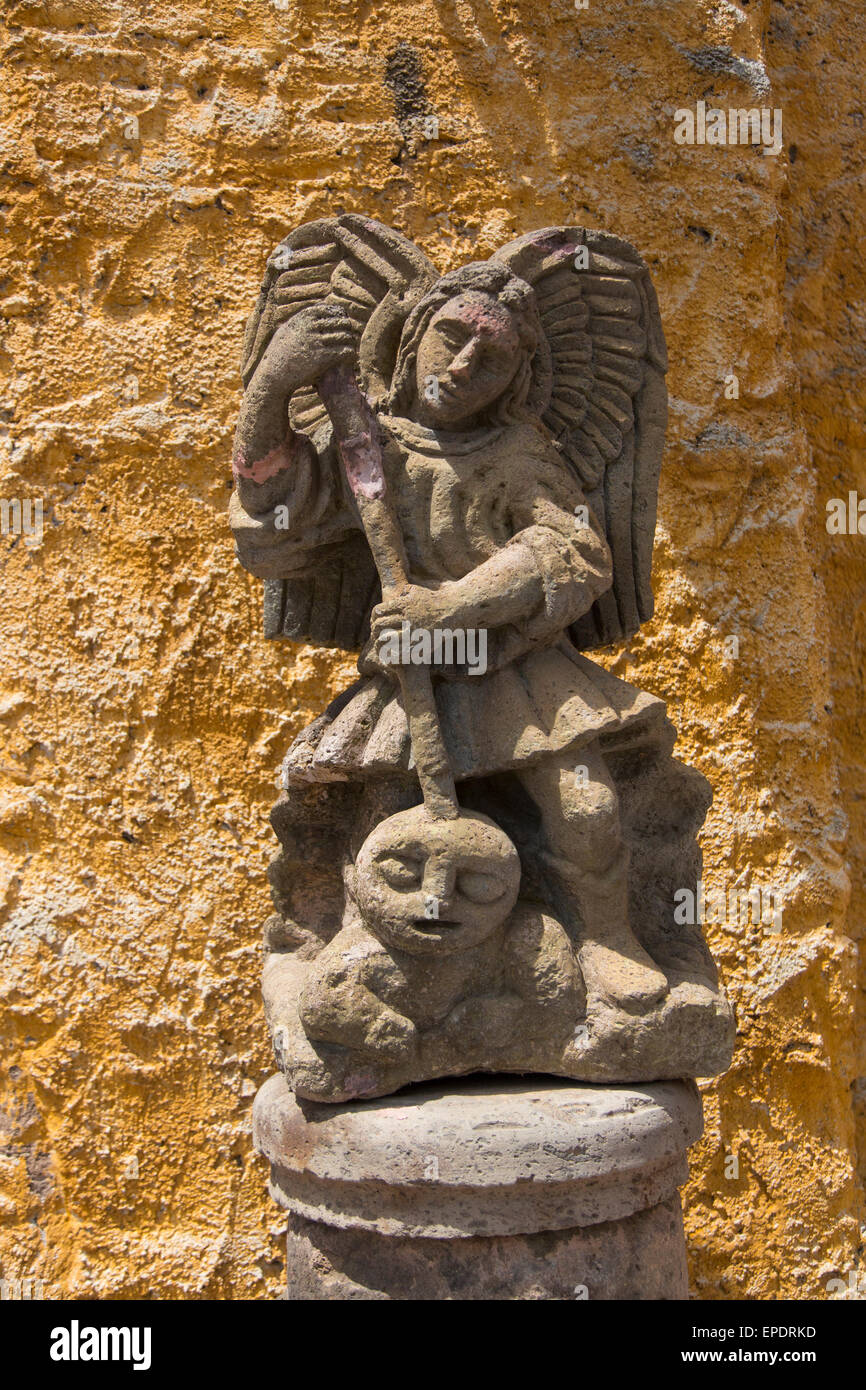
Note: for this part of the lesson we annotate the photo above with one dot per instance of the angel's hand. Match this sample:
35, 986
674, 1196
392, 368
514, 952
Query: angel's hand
419, 607
307, 345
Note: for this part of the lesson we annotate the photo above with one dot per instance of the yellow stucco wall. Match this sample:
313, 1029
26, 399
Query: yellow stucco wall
152, 156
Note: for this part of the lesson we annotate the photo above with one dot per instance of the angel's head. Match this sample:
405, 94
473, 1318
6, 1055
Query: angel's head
466, 350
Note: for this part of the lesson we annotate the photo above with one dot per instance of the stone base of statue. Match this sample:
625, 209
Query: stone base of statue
488, 1188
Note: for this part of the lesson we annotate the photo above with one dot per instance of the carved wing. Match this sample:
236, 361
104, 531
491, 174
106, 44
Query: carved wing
599, 387
377, 276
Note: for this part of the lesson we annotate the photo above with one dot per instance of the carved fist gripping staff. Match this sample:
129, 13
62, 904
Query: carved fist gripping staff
357, 436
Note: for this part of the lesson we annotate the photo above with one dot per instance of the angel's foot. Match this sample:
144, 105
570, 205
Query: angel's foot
615, 966
621, 972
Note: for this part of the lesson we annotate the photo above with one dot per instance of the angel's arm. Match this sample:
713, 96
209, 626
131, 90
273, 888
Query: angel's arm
555, 566
569, 555
546, 577
289, 499
266, 447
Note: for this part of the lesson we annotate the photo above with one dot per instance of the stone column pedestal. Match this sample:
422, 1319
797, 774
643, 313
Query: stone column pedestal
484, 1188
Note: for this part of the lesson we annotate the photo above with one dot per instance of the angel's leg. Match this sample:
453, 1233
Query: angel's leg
585, 850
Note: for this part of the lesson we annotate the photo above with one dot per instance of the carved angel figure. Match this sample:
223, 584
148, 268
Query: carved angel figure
520, 405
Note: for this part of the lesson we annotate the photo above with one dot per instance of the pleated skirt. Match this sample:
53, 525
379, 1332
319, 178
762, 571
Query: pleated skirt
545, 704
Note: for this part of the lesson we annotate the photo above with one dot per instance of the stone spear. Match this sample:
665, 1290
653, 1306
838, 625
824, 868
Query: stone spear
357, 435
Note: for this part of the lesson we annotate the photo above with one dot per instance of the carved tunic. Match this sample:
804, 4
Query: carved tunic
459, 499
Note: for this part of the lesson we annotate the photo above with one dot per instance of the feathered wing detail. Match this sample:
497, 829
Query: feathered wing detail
377, 276
599, 387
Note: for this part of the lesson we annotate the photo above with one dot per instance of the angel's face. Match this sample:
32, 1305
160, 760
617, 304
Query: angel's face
433, 887
466, 359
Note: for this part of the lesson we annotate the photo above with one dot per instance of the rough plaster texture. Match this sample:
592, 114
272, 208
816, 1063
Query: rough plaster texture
139, 717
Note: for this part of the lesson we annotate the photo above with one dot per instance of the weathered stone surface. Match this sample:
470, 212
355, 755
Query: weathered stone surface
494, 434
480, 1156
431, 1193
690, 1031
643, 1256
134, 702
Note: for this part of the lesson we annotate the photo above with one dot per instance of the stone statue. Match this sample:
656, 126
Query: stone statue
482, 838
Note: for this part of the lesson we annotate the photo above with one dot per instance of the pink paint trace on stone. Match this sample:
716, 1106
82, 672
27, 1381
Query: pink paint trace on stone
482, 316
362, 1083
362, 462
276, 461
